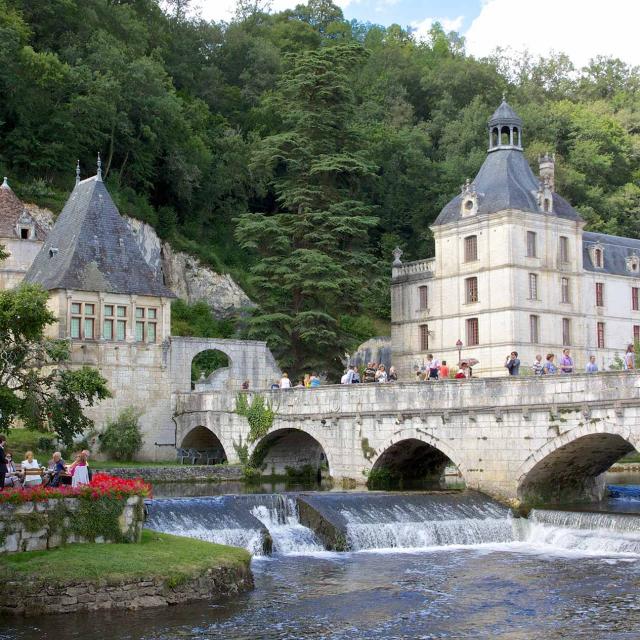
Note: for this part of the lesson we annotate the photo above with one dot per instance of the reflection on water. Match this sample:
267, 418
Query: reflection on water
482, 593
193, 489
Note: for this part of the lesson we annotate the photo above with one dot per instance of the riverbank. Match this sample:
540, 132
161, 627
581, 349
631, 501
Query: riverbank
176, 473
162, 570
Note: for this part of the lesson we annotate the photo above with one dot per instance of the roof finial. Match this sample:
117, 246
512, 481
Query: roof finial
78, 172
99, 174
5, 183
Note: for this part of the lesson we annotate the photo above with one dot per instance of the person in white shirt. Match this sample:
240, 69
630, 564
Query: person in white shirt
630, 358
285, 383
30, 480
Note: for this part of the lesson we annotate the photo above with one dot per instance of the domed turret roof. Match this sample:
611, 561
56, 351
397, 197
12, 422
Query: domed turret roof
504, 114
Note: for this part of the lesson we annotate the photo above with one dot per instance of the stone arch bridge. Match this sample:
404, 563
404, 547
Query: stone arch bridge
547, 438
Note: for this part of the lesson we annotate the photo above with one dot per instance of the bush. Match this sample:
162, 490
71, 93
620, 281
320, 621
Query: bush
122, 438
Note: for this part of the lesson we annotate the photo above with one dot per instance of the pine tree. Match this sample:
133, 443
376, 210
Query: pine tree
314, 262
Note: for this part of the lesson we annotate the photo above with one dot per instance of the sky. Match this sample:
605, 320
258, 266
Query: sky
582, 29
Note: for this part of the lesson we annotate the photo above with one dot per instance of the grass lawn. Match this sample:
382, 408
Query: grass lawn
159, 555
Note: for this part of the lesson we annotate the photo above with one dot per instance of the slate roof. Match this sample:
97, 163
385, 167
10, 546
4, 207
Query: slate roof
11, 210
616, 251
504, 114
505, 181
96, 250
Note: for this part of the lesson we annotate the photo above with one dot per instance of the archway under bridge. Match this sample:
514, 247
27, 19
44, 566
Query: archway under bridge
293, 453
571, 471
207, 443
413, 463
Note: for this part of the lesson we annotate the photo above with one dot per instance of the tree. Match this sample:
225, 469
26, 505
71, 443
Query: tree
36, 385
313, 257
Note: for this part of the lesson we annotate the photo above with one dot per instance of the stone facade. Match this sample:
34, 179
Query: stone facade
508, 437
30, 599
35, 526
184, 473
514, 270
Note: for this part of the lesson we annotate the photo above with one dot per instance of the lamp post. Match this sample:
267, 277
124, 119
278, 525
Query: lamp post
459, 345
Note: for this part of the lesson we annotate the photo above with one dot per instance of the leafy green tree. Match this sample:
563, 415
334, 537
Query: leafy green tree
314, 261
36, 385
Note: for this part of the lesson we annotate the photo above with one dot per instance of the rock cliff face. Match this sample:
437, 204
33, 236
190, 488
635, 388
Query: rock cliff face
185, 275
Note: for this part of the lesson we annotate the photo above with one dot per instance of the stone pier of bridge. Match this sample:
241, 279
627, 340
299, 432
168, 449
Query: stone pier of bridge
529, 438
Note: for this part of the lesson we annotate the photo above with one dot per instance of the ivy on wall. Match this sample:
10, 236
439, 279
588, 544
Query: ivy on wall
259, 415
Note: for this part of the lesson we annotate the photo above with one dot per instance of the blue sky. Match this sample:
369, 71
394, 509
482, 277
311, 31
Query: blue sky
581, 28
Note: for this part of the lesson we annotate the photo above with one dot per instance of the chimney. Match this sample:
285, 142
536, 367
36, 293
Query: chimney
547, 169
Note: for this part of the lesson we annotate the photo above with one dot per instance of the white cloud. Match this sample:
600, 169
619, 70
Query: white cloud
582, 29
448, 24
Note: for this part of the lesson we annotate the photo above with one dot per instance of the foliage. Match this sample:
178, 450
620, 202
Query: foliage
122, 437
101, 486
159, 555
35, 385
259, 415
343, 140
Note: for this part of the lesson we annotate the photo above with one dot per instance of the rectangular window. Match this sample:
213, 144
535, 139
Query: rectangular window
121, 330
534, 323
635, 300
600, 335
76, 308
599, 294
424, 337
89, 309
471, 290
636, 332
88, 328
423, 298
533, 286
139, 312
122, 312
473, 335
151, 331
564, 289
139, 331
564, 249
107, 329
566, 331
531, 244
470, 248
75, 328
152, 313
108, 311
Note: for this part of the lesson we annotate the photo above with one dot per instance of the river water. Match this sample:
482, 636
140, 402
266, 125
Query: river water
421, 565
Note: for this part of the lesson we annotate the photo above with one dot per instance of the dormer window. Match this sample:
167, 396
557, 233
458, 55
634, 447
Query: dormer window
596, 255
25, 233
633, 263
469, 206
25, 228
53, 252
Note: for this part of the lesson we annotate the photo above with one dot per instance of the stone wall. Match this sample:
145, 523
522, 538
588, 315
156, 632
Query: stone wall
35, 526
29, 599
183, 473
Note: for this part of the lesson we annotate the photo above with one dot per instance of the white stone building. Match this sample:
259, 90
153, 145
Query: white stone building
514, 270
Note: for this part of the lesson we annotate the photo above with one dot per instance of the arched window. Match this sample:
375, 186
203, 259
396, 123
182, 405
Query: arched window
495, 137
209, 370
547, 205
516, 137
505, 136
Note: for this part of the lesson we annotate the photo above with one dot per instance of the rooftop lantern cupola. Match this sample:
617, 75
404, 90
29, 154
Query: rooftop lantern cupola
505, 128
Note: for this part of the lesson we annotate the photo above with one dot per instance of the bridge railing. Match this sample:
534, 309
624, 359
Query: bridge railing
580, 390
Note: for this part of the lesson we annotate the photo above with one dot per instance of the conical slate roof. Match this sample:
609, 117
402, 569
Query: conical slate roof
13, 213
505, 181
504, 114
91, 248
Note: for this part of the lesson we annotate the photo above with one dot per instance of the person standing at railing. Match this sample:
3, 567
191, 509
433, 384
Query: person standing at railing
512, 364
592, 367
538, 366
630, 358
566, 362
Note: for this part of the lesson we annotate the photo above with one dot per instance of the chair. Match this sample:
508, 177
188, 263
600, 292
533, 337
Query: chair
214, 456
194, 455
182, 455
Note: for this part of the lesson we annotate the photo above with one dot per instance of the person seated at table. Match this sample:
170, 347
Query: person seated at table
13, 477
31, 470
58, 469
79, 470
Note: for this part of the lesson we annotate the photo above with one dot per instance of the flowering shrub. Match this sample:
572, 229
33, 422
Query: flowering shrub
101, 486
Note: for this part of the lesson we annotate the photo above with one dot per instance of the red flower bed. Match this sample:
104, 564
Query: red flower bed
102, 485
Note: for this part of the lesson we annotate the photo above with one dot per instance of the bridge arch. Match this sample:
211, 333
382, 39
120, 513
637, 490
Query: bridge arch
291, 451
569, 468
409, 457
204, 439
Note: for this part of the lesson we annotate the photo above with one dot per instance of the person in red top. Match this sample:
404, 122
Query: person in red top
463, 371
444, 370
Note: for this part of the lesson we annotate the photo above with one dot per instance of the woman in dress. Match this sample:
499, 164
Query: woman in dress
30, 463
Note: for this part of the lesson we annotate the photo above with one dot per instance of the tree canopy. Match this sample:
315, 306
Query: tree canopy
295, 149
